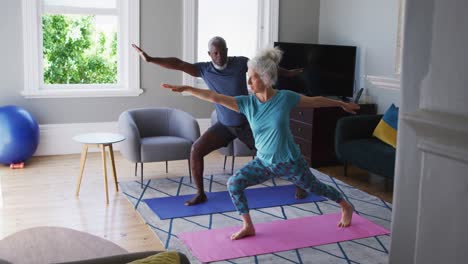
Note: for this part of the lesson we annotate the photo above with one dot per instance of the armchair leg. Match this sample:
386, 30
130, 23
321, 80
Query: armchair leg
136, 168
345, 168
166, 166
232, 166
141, 173
225, 159
190, 170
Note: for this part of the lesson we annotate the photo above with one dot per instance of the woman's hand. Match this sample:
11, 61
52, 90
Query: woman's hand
295, 72
142, 54
175, 88
350, 107
289, 73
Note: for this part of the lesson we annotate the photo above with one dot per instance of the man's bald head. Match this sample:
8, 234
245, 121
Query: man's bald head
218, 41
217, 50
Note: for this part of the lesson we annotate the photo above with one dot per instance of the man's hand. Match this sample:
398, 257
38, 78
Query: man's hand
175, 88
350, 107
142, 54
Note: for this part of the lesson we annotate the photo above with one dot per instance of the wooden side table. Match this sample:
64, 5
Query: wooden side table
100, 140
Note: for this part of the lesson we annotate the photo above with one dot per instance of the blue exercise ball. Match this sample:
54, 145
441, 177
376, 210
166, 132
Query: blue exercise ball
19, 134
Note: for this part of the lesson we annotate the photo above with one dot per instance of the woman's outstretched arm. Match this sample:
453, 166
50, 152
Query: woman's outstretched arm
205, 95
319, 101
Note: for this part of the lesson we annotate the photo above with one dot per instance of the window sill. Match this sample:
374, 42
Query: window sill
80, 93
392, 83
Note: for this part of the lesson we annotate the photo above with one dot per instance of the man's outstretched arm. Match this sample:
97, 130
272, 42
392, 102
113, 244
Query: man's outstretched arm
169, 63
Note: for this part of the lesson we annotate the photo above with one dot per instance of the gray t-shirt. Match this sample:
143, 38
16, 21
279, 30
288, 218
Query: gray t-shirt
231, 81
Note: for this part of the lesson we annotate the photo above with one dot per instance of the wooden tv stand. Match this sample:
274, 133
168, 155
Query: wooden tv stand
314, 131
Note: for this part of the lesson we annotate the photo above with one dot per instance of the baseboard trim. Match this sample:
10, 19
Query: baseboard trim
57, 139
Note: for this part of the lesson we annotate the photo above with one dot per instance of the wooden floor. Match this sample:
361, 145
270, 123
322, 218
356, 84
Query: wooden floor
43, 194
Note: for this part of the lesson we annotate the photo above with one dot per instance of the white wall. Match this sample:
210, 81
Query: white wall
371, 25
299, 21
156, 37
161, 35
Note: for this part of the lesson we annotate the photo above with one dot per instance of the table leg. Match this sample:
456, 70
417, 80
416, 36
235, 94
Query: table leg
84, 152
111, 153
105, 171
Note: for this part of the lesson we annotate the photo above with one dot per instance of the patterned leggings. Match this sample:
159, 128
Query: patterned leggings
255, 172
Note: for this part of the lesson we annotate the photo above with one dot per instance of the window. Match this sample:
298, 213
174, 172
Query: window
80, 48
238, 25
394, 81
246, 25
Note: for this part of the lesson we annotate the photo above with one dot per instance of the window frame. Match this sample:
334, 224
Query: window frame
400, 36
268, 21
128, 84
393, 82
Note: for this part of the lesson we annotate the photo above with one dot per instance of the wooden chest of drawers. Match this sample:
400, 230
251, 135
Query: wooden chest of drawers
314, 131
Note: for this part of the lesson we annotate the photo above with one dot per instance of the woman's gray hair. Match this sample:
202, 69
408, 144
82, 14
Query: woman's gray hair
265, 64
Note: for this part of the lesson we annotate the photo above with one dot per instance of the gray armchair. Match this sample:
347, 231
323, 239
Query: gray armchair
235, 149
157, 134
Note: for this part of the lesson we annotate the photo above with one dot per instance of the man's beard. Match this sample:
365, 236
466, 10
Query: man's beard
220, 68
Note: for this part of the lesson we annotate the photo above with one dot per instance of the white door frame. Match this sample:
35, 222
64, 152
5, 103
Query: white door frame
431, 181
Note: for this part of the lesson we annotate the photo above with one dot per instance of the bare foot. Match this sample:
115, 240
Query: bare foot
199, 198
346, 214
244, 232
300, 193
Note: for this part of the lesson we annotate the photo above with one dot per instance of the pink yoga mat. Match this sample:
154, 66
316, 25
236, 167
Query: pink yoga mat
215, 245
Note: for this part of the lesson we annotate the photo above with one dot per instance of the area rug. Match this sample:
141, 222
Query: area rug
368, 250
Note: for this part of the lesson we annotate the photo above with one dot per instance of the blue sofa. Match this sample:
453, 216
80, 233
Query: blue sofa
354, 144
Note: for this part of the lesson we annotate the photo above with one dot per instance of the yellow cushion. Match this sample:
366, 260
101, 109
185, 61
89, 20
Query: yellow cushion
386, 130
168, 257
386, 133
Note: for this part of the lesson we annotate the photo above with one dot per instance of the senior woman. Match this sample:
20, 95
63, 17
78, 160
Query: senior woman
267, 111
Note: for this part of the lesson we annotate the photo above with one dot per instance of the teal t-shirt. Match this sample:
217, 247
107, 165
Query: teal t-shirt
270, 125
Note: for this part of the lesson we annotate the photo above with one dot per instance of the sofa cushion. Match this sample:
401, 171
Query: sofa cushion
370, 154
164, 148
387, 128
115, 259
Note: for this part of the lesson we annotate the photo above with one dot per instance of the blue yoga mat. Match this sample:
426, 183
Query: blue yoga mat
219, 202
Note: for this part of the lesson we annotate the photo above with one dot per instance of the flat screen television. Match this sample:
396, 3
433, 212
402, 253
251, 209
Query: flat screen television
329, 70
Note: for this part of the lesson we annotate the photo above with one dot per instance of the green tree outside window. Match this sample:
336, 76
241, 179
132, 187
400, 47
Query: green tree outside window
74, 52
